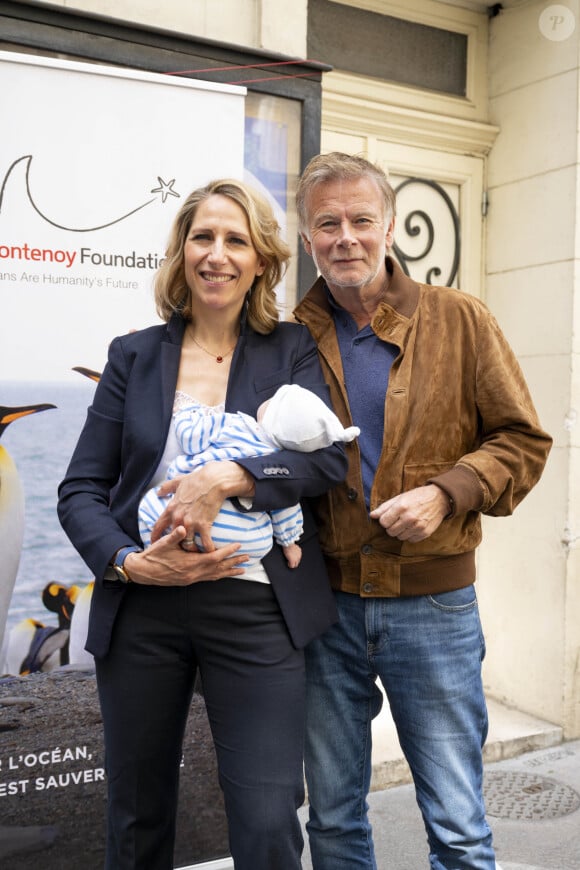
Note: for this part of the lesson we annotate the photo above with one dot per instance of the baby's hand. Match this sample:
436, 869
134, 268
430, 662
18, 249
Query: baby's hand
293, 555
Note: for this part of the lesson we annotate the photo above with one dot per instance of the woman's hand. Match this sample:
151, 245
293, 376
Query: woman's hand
164, 563
197, 498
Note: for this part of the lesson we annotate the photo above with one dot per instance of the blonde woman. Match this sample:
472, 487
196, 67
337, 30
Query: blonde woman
163, 613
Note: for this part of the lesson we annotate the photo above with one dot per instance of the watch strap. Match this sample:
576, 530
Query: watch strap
118, 562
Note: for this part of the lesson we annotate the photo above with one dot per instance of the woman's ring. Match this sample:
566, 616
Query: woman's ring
187, 542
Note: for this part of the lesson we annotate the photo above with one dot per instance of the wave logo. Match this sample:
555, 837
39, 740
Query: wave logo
164, 189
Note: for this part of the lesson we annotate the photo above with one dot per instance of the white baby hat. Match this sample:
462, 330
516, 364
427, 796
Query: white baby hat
297, 419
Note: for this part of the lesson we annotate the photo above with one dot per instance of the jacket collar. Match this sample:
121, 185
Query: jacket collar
170, 356
175, 328
391, 320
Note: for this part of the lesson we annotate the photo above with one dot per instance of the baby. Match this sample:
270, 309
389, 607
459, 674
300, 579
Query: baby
293, 419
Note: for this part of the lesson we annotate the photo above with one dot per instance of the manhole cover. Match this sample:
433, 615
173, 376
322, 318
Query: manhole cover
514, 795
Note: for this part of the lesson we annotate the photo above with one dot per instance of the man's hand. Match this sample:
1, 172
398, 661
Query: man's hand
414, 515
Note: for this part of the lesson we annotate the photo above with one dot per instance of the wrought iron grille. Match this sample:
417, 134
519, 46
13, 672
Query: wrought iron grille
419, 225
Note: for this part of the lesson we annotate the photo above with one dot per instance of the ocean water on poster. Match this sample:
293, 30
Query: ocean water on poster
41, 446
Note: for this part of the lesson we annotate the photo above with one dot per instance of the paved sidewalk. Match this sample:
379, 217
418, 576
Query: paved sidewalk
532, 789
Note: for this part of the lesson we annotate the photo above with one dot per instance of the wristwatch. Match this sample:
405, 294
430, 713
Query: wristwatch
116, 571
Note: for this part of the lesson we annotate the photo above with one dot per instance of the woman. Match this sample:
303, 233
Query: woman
157, 615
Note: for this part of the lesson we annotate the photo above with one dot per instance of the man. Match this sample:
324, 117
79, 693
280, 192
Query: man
448, 432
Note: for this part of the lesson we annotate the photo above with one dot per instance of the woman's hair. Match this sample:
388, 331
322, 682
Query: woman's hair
171, 291
337, 166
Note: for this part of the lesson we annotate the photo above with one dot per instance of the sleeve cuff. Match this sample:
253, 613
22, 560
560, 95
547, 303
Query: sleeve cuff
463, 489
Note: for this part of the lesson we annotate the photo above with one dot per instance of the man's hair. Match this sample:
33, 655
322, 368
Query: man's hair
171, 291
338, 166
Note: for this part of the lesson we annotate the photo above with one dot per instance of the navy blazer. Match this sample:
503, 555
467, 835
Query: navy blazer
124, 437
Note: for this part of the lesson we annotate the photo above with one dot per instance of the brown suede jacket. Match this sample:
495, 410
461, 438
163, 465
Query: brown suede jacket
458, 413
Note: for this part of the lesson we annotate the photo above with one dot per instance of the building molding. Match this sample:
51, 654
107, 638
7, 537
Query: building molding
384, 112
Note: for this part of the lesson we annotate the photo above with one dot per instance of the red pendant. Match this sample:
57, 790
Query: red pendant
219, 359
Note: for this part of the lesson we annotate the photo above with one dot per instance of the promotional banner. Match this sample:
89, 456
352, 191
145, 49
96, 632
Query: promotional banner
94, 163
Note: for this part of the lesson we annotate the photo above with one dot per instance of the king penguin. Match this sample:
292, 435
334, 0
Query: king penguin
11, 511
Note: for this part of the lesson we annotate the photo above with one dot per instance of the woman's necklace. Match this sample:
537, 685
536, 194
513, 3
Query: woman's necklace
220, 357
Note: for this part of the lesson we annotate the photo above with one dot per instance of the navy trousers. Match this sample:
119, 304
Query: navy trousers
253, 682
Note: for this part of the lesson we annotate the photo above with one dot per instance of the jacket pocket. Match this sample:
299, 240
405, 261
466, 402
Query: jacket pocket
419, 474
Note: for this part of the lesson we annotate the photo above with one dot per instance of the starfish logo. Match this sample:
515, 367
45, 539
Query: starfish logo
165, 188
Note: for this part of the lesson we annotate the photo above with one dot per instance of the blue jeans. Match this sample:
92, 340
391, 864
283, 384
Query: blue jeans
427, 652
